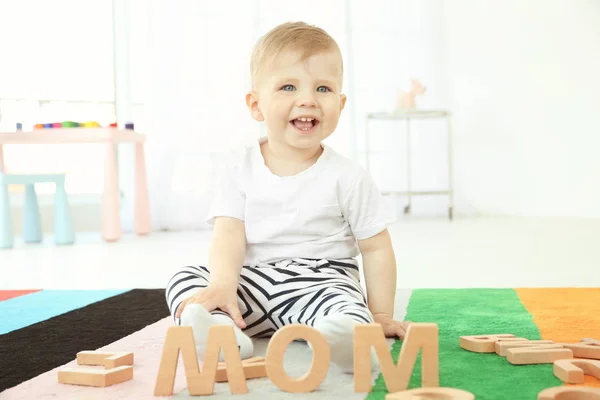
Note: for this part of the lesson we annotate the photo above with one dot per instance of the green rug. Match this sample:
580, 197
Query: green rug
471, 312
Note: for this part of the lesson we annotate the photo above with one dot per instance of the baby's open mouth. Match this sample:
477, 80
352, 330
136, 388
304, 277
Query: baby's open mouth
305, 124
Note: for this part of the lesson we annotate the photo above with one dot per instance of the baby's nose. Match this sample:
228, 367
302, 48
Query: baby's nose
306, 100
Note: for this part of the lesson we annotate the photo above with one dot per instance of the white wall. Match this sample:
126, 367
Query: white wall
524, 79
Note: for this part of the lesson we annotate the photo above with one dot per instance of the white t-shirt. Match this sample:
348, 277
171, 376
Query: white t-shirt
318, 213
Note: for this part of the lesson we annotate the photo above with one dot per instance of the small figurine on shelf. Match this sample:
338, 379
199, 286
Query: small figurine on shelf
406, 99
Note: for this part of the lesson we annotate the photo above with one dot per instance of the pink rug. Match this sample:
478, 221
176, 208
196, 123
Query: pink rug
146, 345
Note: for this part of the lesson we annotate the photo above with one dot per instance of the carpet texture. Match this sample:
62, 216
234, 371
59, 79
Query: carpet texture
28, 352
565, 315
24, 310
137, 321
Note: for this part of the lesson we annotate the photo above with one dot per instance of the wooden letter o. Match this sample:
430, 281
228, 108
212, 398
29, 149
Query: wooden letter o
320, 360
569, 393
438, 393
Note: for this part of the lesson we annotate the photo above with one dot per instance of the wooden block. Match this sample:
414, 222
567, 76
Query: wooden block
419, 336
486, 343
502, 346
593, 342
108, 359
320, 360
254, 367
438, 393
537, 355
583, 349
95, 377
181, 338
569, 393
572, 371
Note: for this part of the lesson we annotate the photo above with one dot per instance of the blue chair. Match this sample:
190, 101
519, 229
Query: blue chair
32, 229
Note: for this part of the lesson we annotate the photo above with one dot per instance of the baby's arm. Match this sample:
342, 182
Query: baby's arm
227, 252
379, 264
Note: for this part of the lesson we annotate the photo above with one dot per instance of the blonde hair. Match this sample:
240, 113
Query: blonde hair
295, 36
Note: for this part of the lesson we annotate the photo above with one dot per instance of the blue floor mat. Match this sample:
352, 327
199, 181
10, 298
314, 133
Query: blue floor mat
19, 312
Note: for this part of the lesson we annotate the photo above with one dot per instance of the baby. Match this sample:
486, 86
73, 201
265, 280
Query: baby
291, 215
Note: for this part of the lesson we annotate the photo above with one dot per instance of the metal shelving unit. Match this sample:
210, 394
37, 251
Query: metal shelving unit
407, 116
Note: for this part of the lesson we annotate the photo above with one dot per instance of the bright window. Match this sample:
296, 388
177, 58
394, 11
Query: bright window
57, 65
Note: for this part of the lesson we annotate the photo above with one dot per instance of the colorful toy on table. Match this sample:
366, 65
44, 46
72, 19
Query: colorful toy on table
73, 124
68, 124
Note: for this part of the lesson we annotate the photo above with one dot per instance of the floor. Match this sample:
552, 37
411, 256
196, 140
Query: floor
433, 253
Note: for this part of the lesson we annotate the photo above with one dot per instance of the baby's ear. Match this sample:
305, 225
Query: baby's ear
252, 103
343, 99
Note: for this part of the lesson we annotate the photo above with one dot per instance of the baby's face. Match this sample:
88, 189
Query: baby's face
300, 101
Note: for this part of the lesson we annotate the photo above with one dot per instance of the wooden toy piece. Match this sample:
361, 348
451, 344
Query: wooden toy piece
590, 341
108, 359
200, 383
320, 360
419, 336
438, 393
584, 349
502, 346
542, 354
572, 371
254, 367
486, 343
95, 377
569, 393
406, 99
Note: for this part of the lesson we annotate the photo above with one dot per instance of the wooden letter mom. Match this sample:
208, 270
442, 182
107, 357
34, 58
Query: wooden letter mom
420, 336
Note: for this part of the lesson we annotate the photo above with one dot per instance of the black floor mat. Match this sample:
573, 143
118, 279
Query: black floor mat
28, 352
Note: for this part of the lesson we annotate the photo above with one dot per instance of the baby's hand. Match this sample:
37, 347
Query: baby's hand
391, 327
213, 297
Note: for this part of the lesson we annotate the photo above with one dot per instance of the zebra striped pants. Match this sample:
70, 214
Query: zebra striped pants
272, 295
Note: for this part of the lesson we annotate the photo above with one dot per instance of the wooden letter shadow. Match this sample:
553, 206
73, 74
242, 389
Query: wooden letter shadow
419, 336
569, 393
200, 383
118, 368
320, 360
439, 393
572, 371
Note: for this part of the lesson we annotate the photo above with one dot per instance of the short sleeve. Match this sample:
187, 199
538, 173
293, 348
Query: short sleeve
364, 207
229, 199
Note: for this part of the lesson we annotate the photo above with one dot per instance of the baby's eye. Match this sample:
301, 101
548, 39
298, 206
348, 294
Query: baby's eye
323, 89
288, 88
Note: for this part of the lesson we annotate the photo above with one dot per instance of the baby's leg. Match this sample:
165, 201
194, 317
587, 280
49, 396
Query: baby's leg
186, 283
334, 305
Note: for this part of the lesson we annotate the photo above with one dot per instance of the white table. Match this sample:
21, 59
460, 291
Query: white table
110, 138
409, 115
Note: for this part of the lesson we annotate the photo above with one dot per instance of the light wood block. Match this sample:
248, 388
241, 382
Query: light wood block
254, 367
537, 355
181, 338
95, 377
108, 359
320, 360
584, 349
502, 346
573, 371
486, 343
593, 342
419, 336
438, 393
569, 393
